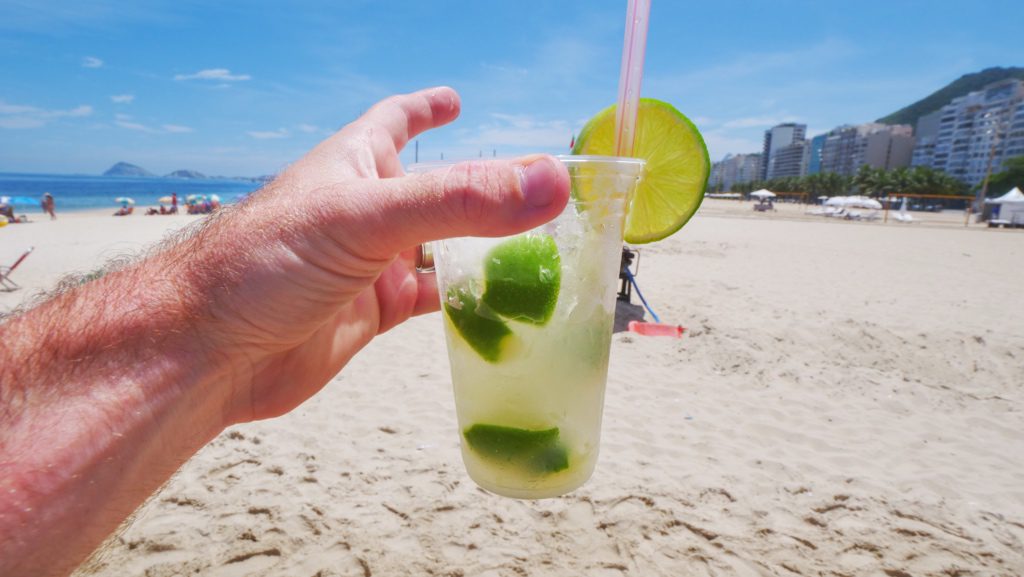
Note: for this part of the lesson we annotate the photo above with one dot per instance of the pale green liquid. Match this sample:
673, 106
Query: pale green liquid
554, 377
550, 376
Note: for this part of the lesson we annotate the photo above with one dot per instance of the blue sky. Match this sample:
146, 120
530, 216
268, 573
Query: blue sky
244, 88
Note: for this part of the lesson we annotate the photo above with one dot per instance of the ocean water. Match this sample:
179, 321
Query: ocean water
81, 192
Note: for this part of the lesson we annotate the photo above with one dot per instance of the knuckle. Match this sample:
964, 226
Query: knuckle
473, 189
389, 104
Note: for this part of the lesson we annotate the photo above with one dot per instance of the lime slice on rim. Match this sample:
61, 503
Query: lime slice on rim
522, 277
675, 175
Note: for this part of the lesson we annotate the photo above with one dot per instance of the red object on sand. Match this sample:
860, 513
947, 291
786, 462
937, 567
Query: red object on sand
656, 329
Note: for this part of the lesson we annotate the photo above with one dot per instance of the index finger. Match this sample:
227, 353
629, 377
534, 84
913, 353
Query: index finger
407, 115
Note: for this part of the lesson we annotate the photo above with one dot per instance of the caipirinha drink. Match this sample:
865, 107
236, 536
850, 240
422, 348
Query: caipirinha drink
529, 321
529, 318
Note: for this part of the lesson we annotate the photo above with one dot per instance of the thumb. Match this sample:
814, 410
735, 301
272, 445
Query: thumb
479, 198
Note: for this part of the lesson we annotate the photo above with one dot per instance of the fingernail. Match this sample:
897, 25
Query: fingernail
537, 179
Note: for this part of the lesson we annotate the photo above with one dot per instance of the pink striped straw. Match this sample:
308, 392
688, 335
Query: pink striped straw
633, 49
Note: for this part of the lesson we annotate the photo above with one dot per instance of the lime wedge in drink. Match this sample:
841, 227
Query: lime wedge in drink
522, 276
484, 332
538, 451
675, 175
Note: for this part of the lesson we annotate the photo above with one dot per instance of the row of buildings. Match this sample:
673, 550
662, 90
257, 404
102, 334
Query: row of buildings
964, 138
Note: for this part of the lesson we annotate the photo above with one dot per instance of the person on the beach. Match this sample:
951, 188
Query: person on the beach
7, 212
49, 206
242, 318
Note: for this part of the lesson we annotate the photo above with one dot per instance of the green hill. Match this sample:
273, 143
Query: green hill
959, 87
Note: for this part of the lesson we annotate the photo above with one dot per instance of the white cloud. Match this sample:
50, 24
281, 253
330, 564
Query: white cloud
758, 121
133, 126
122, 98
719, 144
222, 74
511, 70
24, 116
738, 71
14, 122
308, 128
268, 134
15, 108
92, 62
511, 130
128, 122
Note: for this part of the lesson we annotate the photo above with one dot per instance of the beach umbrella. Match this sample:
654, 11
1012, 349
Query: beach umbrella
214, 198
763, 193
863, 202
854, 202
166, 200
840, 201
124, 200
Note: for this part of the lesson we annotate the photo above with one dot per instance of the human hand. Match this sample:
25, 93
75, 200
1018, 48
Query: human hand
243, 318
294, 281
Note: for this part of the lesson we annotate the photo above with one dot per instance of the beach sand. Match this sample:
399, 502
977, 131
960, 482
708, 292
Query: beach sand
847, 401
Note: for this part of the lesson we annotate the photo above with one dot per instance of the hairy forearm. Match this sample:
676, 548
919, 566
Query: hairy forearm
105, 390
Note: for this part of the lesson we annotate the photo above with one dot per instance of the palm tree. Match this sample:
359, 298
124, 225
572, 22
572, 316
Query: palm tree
864, 180
899, 180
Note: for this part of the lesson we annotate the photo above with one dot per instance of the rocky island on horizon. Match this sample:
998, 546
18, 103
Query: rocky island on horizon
184, 173
128, 169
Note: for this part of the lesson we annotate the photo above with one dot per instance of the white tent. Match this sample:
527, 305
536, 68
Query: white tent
1014, 195
763, 193
1011, 206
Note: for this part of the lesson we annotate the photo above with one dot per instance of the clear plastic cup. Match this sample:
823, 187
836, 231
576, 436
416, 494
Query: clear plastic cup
528, 321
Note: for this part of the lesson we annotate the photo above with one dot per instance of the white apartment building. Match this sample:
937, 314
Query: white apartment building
978, 130
734, 169
777, 138
885, 146
788, 161
925, 134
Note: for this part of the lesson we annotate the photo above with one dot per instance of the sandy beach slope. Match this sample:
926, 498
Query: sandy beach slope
847, 401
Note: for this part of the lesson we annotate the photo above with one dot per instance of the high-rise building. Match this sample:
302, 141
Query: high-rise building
748, 168
788, 161
734, 169
978, 131
776, 138
885, 149
813, 151
847, 148
925, 133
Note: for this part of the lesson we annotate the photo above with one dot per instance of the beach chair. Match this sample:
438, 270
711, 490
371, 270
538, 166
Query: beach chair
6, 283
